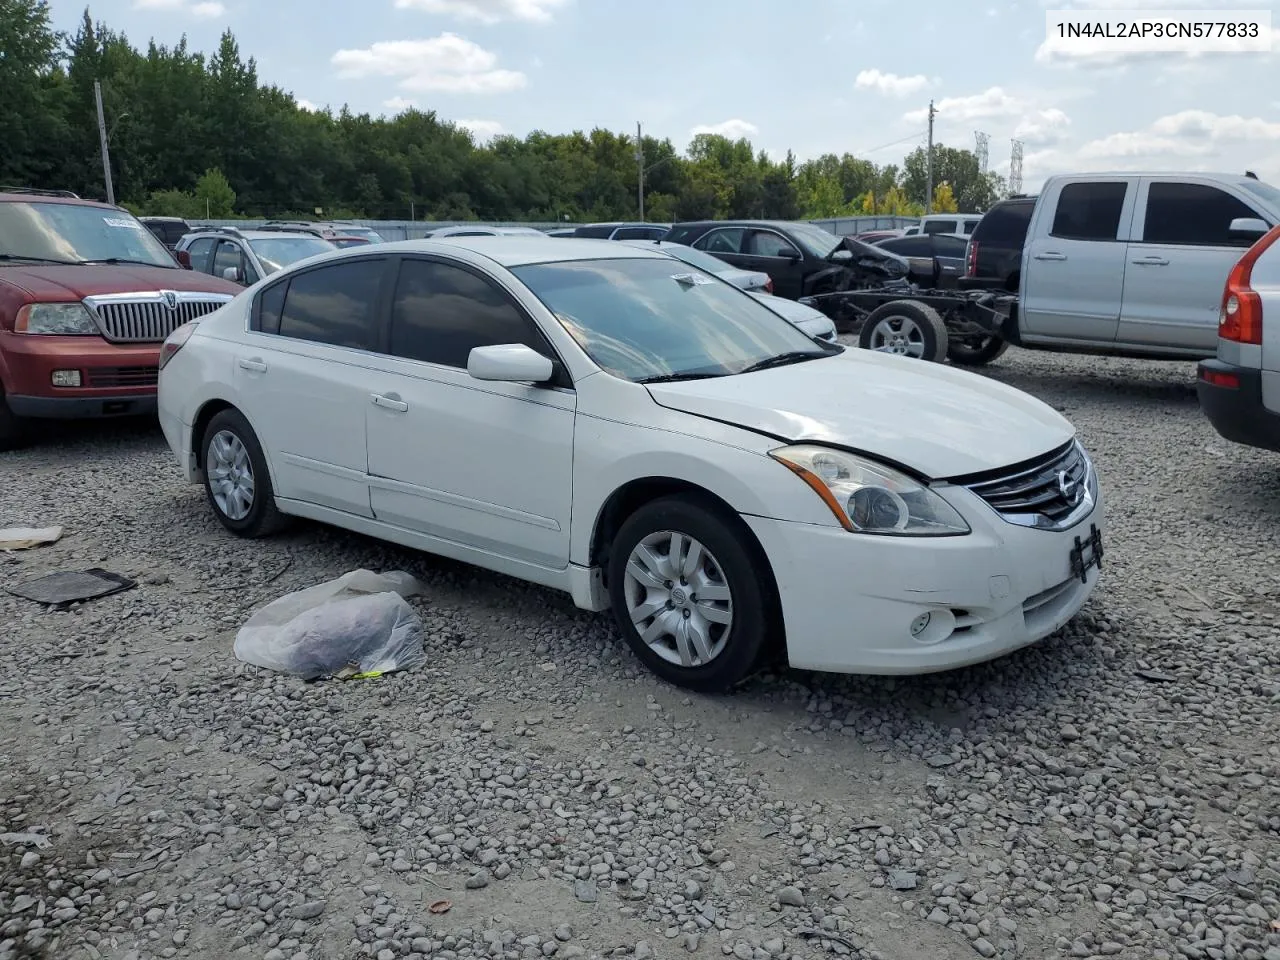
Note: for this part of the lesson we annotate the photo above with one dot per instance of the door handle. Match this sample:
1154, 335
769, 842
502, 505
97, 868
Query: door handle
1152, 262
389, 402
1051, 256
255, 365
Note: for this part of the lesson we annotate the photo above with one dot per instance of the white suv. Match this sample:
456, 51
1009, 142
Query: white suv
957, 224
246, 256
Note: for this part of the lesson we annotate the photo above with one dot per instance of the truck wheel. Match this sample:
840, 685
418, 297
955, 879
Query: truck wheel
977, 352
13, 430
906, 328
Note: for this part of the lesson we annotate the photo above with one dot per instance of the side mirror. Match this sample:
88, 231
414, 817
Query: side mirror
509, 363
231, 273
184, 259
1247, 228
788, 254
841, 256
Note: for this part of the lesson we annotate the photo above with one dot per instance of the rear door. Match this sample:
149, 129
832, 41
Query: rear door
1179, 259
918, 252
303, 379
948, 252
1073, 279
770, 252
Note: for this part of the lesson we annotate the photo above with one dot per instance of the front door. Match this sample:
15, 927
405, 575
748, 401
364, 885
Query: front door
482, 464
1179, 259
1073, 280
770, 252
303, 379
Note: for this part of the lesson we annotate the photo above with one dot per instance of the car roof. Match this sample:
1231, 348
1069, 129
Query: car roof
255, 234
48, 198
517, 250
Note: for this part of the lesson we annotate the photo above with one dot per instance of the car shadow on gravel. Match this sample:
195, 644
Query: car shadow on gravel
50, 437
1111, 381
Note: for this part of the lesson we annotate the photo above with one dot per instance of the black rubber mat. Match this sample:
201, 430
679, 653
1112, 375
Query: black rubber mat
68, 586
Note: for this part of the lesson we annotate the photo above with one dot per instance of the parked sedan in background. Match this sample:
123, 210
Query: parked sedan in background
653, 442
751, 280
935, 259
802, 259
483, 230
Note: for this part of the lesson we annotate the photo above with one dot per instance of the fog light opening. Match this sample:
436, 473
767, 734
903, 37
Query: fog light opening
932, 626
66, 378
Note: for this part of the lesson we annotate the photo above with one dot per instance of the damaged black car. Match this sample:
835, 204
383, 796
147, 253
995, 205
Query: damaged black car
803, 260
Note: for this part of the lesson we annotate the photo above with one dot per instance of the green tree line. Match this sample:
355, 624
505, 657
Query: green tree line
192, 134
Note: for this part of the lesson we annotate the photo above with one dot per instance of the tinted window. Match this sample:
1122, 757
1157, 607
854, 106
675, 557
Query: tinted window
1089, 211
441, 312
728, 240
270, 303
970, 225
917, 246
1192, 213
634, 233
639, 317
941, 226
594, 233
334, 304
199, 251
949, 246
1005, 223
227, 255
176, 231
761, 243
679, 234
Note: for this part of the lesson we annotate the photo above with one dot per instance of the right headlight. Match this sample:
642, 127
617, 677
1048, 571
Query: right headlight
72, 319
868, 497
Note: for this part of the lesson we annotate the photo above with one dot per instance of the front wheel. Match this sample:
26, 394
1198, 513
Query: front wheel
236, 480
906, 328
977, 352
689, 595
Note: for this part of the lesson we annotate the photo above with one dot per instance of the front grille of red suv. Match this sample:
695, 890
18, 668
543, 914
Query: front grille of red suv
150, 317
122, 376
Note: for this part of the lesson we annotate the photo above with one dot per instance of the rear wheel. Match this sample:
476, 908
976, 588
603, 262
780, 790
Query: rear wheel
977, 351
13, 429
689, 594
236, 480
905, 328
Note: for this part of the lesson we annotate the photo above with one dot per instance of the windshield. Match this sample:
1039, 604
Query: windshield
277, 252
367, 232
75, 233
696, 257
646, 318
1269, 194
818, 242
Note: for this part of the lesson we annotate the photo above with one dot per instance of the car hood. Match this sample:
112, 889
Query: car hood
931, 418
48, 283
811, 321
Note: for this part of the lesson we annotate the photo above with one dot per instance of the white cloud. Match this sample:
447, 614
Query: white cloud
398, 105
890, 84
488, 11
305, 104
201, 9
733, 129
446, 64
482, 130
992, 102
1042, 128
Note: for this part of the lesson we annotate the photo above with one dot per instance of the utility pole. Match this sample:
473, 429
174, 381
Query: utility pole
102, 137
639, 171
928, 188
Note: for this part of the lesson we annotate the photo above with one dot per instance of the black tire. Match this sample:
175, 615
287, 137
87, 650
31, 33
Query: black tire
978, 353
13, 429
925, 319
262, 518
742, 569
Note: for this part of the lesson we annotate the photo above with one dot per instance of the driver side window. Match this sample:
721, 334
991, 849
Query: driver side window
764, 243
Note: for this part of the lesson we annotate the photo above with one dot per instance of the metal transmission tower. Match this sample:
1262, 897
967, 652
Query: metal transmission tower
981, 139
1015, 168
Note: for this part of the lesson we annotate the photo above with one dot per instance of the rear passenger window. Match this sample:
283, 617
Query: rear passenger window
1192, 213
949, 246
1005, 224
441, 312
334, 305
270, 304
728, 240
1089, 211
970, 226
940, 226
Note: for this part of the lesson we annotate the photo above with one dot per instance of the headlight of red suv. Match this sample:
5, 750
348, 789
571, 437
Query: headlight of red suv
55, 318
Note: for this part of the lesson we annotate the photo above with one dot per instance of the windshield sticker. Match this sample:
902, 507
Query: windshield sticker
125, 224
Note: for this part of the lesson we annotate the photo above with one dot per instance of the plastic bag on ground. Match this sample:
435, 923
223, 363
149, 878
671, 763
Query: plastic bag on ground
357, 625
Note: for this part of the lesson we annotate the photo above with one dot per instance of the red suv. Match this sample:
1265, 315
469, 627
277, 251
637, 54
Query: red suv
87, 295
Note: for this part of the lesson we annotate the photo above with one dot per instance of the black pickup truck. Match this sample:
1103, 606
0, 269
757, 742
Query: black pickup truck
993, 258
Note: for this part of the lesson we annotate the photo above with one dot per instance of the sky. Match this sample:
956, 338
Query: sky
813, 77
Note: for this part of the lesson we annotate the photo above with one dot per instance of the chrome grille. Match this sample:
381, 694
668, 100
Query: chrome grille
150, 317
1047, 492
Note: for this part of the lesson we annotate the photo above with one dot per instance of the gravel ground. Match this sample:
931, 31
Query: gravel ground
1113, 791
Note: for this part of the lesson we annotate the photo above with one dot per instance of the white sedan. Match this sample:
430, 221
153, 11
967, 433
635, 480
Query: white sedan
600, 420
